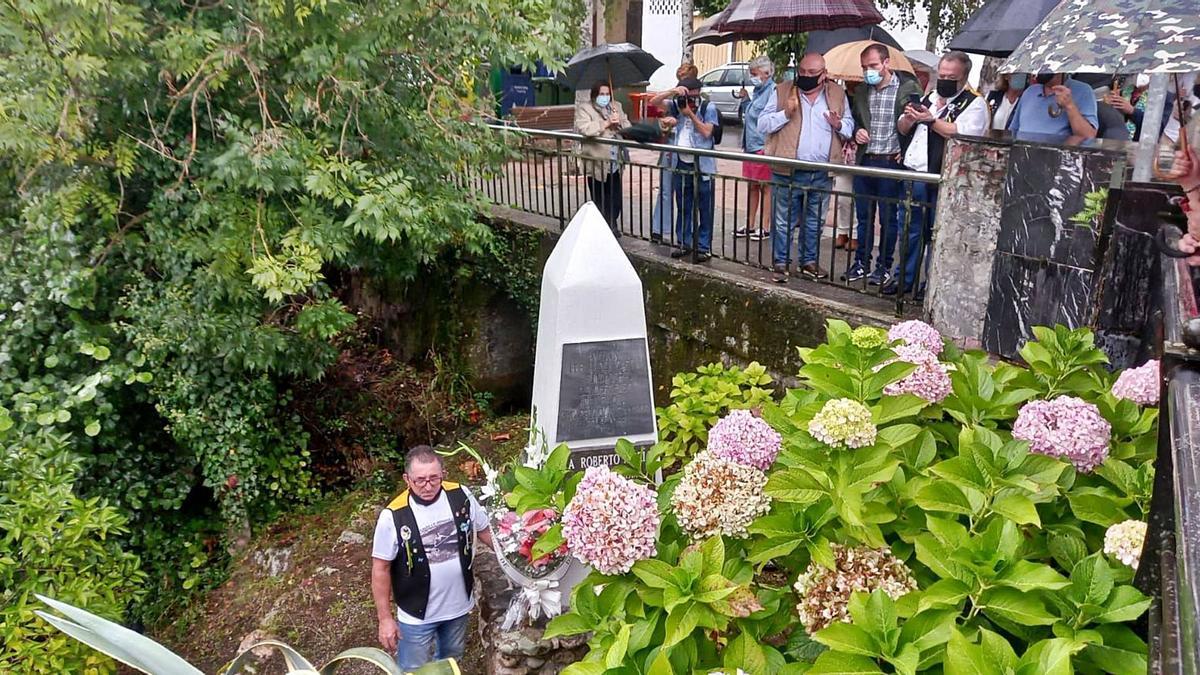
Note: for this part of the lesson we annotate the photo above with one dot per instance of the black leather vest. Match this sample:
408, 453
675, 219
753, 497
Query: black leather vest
410, 569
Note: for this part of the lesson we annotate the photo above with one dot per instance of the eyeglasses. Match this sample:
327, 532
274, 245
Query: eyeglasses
430, 480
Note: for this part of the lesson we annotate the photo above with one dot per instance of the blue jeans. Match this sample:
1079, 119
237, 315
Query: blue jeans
803, 194
685, 199
919, 231
888, 214
416, 646
663, 214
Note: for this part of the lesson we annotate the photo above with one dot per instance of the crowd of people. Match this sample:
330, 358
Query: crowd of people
890, 120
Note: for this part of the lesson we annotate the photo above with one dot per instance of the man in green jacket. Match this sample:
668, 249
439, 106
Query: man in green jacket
877, 107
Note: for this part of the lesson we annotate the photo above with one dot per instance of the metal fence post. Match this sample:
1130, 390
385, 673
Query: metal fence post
902, 263
695, 209
562, 183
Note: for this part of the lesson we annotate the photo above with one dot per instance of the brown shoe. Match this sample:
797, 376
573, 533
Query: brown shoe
780, 276
841, 241
813, 272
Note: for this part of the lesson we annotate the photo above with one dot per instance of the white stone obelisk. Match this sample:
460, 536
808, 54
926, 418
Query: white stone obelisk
591, 380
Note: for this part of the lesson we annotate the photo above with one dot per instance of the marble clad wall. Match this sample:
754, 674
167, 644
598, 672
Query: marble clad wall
1006, 256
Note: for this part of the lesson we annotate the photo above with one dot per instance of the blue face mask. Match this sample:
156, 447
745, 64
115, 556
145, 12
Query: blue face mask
1018, 81
756, 81
873, 77
603, 100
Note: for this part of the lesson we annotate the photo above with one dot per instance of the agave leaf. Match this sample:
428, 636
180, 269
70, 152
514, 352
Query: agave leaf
373, 656
295, 662
115, 640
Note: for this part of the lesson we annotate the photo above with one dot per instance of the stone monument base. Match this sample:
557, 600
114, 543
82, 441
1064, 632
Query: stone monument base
520, 651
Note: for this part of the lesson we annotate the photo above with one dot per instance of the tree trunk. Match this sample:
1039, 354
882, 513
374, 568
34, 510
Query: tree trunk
685, 25
988, 73
935, 25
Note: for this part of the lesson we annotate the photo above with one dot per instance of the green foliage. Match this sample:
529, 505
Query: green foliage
1094, 204
1004, 545
699, 399
54, 541
187, 194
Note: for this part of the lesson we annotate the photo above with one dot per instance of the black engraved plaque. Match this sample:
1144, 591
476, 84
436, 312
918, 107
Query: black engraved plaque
604, 390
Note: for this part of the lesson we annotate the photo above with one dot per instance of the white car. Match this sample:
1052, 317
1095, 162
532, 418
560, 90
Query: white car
721, 86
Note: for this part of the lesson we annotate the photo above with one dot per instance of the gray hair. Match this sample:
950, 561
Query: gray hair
423, 454
763, 62
961, 58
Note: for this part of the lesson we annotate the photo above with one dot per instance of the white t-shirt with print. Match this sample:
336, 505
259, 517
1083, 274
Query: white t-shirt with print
448, 597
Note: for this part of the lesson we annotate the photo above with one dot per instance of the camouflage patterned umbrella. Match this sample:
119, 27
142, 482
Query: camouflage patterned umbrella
1112, 36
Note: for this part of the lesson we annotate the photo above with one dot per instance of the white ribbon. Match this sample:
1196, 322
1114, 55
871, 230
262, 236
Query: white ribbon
543, 598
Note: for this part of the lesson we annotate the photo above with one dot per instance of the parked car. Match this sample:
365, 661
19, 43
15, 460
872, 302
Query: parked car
721, 86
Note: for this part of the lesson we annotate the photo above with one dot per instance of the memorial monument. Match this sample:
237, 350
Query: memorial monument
591, 388
591, 378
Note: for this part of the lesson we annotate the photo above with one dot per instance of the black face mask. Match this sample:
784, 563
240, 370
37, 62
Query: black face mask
947, 88
808, 82
1196, 90
1044, 78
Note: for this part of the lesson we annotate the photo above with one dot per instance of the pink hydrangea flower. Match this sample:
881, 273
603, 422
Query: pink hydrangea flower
917, 333
742, 438
1066, 427
612, 522
1140, 384
930, 380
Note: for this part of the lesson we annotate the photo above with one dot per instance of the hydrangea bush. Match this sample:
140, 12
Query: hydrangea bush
612, 522
908, 508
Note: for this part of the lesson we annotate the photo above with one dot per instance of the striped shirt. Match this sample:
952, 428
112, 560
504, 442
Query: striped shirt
882, 102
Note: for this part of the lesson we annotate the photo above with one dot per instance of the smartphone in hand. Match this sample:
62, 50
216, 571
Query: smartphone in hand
915, 101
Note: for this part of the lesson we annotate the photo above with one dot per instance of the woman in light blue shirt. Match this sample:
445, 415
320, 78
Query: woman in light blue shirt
762, 73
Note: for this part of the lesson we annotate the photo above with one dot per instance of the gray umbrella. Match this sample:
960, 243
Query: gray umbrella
613, 64
1112, 36
1000, 26
706, 35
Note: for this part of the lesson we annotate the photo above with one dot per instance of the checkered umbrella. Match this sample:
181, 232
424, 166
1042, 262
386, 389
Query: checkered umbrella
758, 19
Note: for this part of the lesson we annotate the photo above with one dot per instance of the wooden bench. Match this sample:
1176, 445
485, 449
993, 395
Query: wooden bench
545, 117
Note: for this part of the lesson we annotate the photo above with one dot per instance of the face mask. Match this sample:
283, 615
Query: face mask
873, 77
1019, 81
1044, 78
756, 81
808, 82
1142, 81
947, 88
603, 100
1196, 90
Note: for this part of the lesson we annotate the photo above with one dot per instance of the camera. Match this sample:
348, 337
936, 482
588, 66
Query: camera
684, 102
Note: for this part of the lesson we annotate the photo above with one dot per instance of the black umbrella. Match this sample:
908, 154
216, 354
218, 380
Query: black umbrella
616, 64
1000, 25
822, 41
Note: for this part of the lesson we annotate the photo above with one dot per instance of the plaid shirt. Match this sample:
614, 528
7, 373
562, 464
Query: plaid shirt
884, 139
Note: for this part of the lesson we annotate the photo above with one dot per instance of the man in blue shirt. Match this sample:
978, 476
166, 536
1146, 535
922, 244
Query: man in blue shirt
693, 121
1055, 106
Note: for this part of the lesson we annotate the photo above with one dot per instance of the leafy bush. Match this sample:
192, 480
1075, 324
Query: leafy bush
54, 541
698, 399
920, 536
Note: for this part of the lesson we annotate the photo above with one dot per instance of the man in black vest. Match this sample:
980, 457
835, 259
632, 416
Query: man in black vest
424, 544
952, 109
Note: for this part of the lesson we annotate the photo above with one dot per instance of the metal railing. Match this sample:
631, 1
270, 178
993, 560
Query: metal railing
690, 211
1171, 563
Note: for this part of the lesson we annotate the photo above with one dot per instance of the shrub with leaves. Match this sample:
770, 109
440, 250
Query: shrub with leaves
938, 543
700, 399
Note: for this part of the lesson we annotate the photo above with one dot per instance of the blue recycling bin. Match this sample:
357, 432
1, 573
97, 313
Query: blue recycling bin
516, 89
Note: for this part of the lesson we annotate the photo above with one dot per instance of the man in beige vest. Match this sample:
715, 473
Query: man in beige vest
807, 120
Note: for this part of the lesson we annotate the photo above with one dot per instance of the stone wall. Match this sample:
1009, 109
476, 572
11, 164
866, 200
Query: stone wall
520, 651
696, 314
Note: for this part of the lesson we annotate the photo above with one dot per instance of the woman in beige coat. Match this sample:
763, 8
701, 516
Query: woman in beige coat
602, 117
